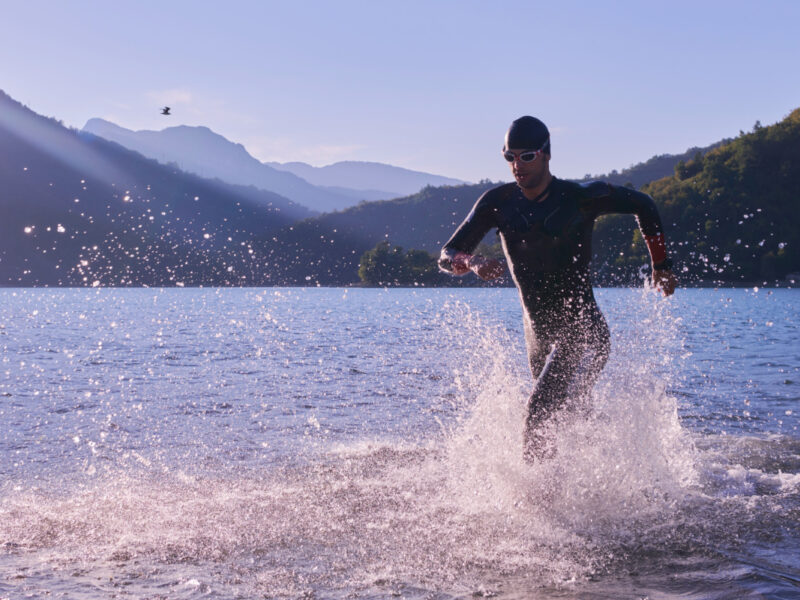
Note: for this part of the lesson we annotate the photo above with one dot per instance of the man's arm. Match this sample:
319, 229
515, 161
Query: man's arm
457, 258
609, 198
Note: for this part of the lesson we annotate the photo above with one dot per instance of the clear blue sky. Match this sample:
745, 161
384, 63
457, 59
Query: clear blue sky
429, 85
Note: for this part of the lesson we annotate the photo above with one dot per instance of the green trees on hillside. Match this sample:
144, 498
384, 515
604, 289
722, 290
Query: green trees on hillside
733, 213
389, 265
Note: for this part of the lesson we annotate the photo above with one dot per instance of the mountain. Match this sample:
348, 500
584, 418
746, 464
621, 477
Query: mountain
326, 250
367, 176
78, 209
201, 151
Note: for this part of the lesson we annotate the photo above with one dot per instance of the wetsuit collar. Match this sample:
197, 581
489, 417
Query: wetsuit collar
544, 192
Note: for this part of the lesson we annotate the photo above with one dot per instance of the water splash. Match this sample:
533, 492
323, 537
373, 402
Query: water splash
452, 515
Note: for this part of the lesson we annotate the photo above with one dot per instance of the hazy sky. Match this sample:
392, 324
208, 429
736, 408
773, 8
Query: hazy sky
429, 85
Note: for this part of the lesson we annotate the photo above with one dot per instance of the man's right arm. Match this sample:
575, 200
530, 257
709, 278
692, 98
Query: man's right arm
457, 258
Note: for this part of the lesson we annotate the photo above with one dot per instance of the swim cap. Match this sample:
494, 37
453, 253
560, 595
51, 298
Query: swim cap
528, 133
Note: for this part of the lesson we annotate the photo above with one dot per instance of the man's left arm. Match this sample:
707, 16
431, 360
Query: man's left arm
617, 199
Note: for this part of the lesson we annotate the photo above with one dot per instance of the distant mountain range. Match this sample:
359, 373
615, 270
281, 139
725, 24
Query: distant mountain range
366, 177
80, 210
201, 151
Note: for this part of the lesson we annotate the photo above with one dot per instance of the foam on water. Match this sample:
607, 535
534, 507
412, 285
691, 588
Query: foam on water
457, 514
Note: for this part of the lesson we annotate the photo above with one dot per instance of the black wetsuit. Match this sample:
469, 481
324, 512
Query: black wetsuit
548, 246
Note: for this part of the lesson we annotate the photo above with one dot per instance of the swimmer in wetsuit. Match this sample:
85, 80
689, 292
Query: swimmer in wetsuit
545, 225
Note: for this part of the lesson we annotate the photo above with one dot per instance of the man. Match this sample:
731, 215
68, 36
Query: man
545, 225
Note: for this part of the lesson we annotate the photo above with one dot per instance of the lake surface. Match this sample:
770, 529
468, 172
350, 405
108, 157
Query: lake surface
366, 443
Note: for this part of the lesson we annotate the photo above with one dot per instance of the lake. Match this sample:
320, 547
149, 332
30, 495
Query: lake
366, 443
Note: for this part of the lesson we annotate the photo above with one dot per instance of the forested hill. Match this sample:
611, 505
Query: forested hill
656, 167
734, 214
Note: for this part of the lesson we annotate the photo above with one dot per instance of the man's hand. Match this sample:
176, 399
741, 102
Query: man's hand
459, 263
453, 262
486, 268
664, 280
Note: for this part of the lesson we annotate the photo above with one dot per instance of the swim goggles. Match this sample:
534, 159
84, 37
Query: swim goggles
527, 156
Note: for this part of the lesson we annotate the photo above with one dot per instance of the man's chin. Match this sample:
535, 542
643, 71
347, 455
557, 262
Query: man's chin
523, 182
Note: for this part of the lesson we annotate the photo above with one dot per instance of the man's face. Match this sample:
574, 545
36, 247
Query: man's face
529, 174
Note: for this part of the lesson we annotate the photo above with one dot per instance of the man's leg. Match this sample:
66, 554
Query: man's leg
538, 349
572, 366
597, 344
548, 396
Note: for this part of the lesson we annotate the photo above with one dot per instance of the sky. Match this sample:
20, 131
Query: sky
427, 85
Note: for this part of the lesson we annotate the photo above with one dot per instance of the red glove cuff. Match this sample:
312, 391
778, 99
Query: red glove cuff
657, 247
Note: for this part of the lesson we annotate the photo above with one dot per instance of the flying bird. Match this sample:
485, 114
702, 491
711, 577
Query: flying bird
165, 111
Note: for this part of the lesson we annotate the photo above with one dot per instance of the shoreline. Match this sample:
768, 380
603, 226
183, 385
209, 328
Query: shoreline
694, 285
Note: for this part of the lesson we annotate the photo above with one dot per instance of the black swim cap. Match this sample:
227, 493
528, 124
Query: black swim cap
528, 133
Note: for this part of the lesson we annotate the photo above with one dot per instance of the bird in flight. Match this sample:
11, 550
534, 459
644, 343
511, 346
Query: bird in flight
165, 111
